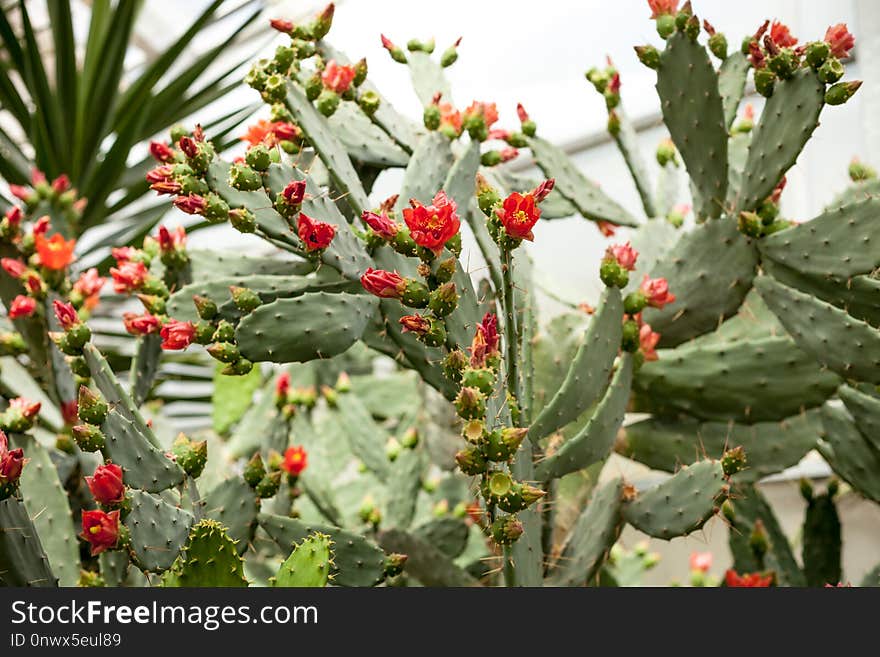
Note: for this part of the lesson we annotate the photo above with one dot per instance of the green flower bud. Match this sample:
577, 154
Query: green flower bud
91, 406
88, 437
191, 456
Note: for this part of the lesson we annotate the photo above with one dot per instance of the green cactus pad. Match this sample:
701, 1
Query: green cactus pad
652, 241
158, 531
822, 541
209, 559
732, 76
590, 368
114, 394
859, 295
206, 265
145, 366
710, 270
46, 502
425, 562
692, 110
314, 325
357, 561
665, 444
114, 567
594, 442
404, 482
23, 561
591, 538
824, 246
460, 181
143, 465
427, 77
628, 143
865, 409
449, 535
737, 155
365, 437
849, 454
555, 206
427, 170
233, 504
837, 340
749, 506
331, 151
365, 141
309, 565
575, 187
681, 504
859, 191
786, 123
746, 381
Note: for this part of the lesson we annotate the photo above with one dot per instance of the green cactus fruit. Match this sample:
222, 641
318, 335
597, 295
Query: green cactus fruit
415, 294
649, 56
216, 209
470, 403
91, 406
841, 92
502, 444
453, 365
733, 461
816, 53
208, 559
506, 530
254, 471
410, 439
204, 332
309, 565
245, 300
257, 157
765, 82
394, 564
190, 455
274, 88
392, 449
205, 307
784, 63
483, 379
859, 171
225, 352
89, 437
718, 45
244, 178
369, 102
831, 70
630, 336
225, 332
328, 102
471, 461
268, 485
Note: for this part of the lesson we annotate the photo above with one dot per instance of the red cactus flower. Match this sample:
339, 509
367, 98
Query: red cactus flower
488, 328
478, 351
123, 254
543, 190
295, 461
168, 187
384, 284
488, 111
20, 192
21, 307
188, 146
840, 40
701, 561
13, 216
606, 228
282, 25
316, 235
106, 484
100, 530
140, 324
61, 184
656, 290
25, 407
160, 174
89, 285
381, 224
781, 35
648, 340
129, 276
756, 56
66, 314
450, 117
70, 412
282, 385
518, 214
41, 226
663, 7
161, 151
177, 335
56, 253
748, 580
286, 131
336, 77
11, 461
258, 133
415, 324
295, 192
169, 242
13, 267
191, 204
431, 226
625, 255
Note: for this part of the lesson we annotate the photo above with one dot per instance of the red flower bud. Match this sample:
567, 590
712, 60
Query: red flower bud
415, 324
656, 290
625, 255
295, 461
606, 228
282, 385
140, 324
20, 192
282, 25
13, 267
169, 242
521, 113
129, 276
543, 190
648, 340
66, 314
188, 146
106, 484
13, 216
191, 204
24, 407
488, 112
431, 226
177, 335
295, 192
316, 235
381, 224
22, 306
11, 461
286, 131
701, 561
100, 530
61, 184
123, 254
34, 284
41, 226
70, 412
89, 284
384, 284
160, 174
161, 151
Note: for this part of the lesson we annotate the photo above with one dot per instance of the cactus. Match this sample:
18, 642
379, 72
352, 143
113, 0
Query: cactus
737, 335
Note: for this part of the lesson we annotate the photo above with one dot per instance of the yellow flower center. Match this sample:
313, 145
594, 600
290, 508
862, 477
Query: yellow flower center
94, 530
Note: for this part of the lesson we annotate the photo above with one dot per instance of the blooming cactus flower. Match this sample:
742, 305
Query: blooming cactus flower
100, 530
106, 484
66, 314
337, 77
656, 291
648, 340
748, 580
488, 328
518, 214
663, 7
701, 561
384, 284
129, 276
624, 254
431, 226
140, 324
11, 461
450, 118
21, 307
781, 35
55, 253
488, 111
88, 287
839, 40
295, 192
161, 151
316, 235
177, 335
169, 241
295, 461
